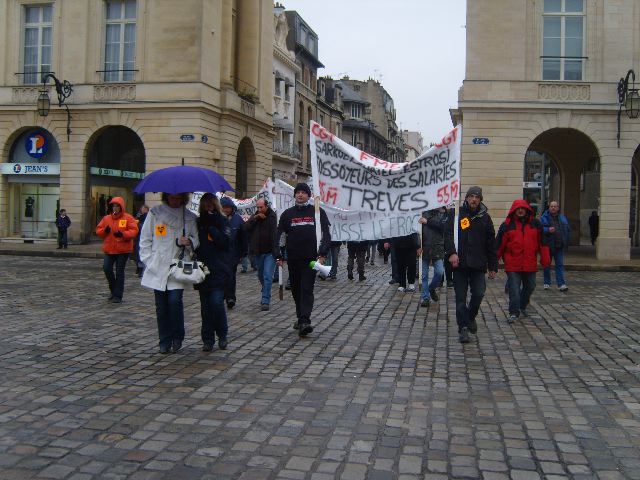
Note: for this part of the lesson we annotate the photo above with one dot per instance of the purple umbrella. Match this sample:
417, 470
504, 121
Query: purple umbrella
183, 178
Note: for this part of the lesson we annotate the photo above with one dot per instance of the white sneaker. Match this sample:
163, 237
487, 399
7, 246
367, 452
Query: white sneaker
563, 288
401, 289
411, 288
547, 286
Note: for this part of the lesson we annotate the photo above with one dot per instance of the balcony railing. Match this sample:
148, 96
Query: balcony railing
288, 149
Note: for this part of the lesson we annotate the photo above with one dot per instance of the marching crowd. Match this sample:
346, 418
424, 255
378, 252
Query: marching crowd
171, 244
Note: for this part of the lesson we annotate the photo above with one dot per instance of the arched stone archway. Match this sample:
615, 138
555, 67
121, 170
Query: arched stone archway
116, 162
245, 168
576, 180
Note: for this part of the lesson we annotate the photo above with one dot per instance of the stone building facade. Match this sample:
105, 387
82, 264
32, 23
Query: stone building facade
540, 118
413, 144
153, 82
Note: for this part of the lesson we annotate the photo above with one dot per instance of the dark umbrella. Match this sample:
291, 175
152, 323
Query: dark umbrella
183, 178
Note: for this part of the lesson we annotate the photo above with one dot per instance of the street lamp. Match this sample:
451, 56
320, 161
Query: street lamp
629, 98
63, 90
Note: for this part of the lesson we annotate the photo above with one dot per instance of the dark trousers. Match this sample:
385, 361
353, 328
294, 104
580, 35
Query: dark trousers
303, 279
406, 258
335, 253
448, 271
355, 254
214, 316
521, 286
116, 281
394, 263
230, 287
465, 279
62, 237
170, 316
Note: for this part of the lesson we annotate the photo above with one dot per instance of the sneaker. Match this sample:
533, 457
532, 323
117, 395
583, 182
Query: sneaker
164, 349
401, 289
116, 300
296, 326
350, 276
425, 302
264, 307
305, 329
176, 345
434, 295
463, 336
207, 347
563, 288
361, 278
372, 263
231, 304
411, 288
546, 286
393, 281
473, 326
222, 343
512, 318
523, 312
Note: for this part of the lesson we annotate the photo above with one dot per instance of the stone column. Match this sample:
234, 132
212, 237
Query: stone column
248, 52
613, 240
226, 44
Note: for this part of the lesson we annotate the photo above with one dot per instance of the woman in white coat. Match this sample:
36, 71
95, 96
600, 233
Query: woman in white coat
161, 241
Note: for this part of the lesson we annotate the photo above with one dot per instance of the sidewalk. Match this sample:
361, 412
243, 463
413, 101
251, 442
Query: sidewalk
579, 258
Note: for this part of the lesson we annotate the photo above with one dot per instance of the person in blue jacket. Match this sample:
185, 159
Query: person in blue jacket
239, 246
557, 233
215, 251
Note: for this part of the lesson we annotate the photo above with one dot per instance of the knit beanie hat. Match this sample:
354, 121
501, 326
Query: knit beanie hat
304, 187
474, 191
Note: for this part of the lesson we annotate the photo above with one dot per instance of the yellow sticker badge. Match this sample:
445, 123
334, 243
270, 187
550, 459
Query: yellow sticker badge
161, 230
122, 223
465, 223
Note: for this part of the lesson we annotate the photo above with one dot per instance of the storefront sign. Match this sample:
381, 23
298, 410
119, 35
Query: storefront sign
112, 172
30, 168
36, 145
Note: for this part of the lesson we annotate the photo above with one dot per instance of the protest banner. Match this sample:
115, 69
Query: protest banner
367, 198
245, 207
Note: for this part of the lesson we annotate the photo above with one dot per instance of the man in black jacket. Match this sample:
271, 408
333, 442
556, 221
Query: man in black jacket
470, 258
262, 229
433, 224
299, 224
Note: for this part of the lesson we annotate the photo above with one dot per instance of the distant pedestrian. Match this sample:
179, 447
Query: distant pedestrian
335, 255
371, 252
407, 250
594, 226
214, 249
168, 230
238, 246
117, 229
470, 259
299, 224
433, 223
384, 252
519, 242
262, 231
141, 216
63, 222
356, 252
557, 234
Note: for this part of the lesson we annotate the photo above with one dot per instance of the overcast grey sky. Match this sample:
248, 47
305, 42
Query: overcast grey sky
416, 48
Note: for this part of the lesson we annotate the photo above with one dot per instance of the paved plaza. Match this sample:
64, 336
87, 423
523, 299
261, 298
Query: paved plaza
381, 389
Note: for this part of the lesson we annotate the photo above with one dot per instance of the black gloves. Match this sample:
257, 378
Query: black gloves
107, 229
117, 234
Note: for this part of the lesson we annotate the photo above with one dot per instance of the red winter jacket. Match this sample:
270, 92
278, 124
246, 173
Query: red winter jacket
520, 241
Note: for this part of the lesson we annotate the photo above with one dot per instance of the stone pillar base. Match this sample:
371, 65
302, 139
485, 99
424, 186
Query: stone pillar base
613, 249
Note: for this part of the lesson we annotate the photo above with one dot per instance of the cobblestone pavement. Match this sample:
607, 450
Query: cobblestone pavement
381, 390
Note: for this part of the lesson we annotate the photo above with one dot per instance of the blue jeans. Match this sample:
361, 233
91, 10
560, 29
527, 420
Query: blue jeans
170, 316
266, 264
438, 272
214, 316
115, 281
521, 286
558, 259
465, 279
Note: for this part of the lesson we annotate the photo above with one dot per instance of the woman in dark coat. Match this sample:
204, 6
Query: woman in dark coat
214, 234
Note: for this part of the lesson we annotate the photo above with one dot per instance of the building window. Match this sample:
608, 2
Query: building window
277, 87
354, 137
321, 122
356, 110
38, 27
120, 41
563, 40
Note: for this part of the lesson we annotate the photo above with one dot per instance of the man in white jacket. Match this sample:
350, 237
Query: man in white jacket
168, 229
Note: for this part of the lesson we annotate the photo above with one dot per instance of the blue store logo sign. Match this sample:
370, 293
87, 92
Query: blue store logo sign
36, 145
17, 168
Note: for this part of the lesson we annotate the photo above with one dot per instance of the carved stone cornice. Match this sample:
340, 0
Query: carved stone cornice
28, 95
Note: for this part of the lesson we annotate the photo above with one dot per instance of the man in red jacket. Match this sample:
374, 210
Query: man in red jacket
519, 242
117, 229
